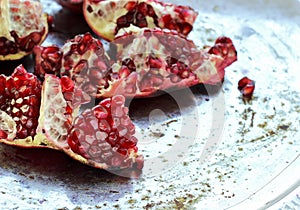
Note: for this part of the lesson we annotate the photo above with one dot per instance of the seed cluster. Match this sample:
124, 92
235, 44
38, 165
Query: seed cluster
21, 98
104, 134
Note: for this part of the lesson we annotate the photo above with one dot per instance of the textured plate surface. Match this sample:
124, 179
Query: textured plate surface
225, 153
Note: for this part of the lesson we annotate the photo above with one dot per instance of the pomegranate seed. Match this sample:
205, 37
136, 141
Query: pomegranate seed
3, 134
67, 84
100, 113
143, 8
131, 5
122, 22
246, 87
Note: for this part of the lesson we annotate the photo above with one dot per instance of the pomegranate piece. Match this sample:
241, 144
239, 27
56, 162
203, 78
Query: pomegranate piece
82, 58
48, 60
108, 18
19, 104
103, 136
246, 86
61, 101
73, 5
23, 26
158, 59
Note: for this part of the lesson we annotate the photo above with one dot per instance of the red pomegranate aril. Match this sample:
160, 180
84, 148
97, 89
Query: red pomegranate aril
246, 86
123, 22
3, 134
131, 5
67, 84
143, 8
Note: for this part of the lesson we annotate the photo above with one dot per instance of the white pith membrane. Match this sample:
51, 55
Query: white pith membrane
23, 17
8, 125
52, 112
144, 43
105, 25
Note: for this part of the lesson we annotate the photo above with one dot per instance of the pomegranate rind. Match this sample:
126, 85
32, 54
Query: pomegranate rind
110, 10
23, 25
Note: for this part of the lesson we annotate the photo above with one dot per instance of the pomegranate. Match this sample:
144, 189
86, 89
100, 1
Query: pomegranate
158, 59
104, 137
23, 26
73, 5
108, 18
19, 104
82, 58
61, 101
146, 62
246, 86
48, 116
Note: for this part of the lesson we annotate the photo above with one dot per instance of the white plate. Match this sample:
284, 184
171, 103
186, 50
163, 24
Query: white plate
253, 159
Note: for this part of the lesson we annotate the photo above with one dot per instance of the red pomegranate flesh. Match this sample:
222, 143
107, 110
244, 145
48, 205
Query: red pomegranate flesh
107, 18
23, 26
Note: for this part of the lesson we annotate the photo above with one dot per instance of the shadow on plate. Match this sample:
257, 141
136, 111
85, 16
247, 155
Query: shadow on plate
46, 169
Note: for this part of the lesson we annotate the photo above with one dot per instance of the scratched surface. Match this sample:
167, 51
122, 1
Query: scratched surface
235, 150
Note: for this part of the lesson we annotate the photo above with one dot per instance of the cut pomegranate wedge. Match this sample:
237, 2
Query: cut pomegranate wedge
19, 104
82, 58
108, 18
101, 137
158, 59
146, 62
61, 101
23, 26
